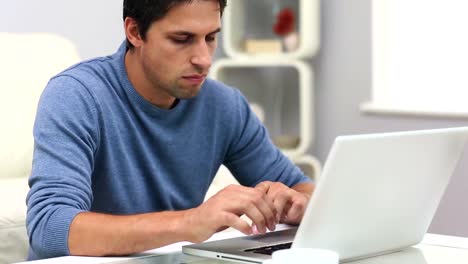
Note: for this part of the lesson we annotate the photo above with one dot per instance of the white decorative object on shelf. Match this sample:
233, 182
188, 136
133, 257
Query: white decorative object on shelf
299, 145
302, 42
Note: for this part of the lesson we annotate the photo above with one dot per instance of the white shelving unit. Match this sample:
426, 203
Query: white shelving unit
276, 80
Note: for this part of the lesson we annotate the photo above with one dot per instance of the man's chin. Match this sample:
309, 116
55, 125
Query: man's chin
189, 92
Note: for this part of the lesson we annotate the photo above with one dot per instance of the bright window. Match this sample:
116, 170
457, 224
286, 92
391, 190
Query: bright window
420, 57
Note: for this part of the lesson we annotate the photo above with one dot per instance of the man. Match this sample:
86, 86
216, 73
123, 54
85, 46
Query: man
127, 145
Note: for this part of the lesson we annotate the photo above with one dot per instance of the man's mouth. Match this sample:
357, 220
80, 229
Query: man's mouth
195, 78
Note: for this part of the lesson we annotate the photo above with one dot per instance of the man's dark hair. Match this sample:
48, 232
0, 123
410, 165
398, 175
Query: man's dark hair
146, 12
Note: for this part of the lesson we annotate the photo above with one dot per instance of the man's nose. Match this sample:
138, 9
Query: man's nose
202, 55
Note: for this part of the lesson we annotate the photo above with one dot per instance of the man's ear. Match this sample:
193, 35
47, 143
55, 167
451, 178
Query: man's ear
132, 32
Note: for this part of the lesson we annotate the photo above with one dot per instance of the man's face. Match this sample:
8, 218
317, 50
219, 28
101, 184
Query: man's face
177, 53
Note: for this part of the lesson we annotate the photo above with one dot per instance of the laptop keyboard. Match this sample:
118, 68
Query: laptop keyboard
268, 250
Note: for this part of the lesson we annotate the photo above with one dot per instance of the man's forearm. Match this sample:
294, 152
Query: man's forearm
93, 234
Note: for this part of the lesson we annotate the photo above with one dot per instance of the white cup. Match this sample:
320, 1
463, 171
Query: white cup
304, 256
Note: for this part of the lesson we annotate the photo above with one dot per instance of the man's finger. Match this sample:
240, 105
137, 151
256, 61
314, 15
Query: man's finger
259, 218
263, 187
237, 223
294, 214
281, 201
296, 211
268, 209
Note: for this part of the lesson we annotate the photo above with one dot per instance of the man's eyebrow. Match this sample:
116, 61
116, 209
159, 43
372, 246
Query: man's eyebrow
214, 32
188, 33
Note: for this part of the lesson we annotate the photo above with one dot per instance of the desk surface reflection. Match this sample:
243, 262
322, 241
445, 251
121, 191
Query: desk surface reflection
409, 255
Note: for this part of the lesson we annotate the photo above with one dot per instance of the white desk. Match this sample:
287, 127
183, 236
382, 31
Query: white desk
434, 249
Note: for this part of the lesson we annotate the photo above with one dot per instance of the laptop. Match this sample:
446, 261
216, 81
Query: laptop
377, 194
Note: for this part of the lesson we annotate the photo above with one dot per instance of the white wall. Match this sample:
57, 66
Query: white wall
94, 26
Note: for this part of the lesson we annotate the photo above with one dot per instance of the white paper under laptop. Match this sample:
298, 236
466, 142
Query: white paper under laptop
377, 194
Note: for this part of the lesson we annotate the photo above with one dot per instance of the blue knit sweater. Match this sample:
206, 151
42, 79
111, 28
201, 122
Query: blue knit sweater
101, 147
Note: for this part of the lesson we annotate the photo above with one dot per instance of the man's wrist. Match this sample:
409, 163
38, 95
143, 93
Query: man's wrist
185, 227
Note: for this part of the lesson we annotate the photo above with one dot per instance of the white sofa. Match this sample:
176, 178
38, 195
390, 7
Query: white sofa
27, 61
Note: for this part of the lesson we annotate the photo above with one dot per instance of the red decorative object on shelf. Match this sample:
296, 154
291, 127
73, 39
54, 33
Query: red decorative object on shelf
285, 22
285, 27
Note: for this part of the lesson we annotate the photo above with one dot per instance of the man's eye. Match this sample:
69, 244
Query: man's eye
180, 40
210, 38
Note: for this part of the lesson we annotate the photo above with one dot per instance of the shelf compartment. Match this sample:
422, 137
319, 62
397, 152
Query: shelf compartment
310, 166
253, 20
283, 89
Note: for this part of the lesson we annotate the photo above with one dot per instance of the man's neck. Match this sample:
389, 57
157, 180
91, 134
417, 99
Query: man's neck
143, 86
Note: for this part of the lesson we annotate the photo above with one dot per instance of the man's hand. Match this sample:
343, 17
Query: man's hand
93, 234
226, 207
289, 203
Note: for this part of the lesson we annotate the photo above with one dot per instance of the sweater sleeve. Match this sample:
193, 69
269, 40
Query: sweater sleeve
65, 141
252, 157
